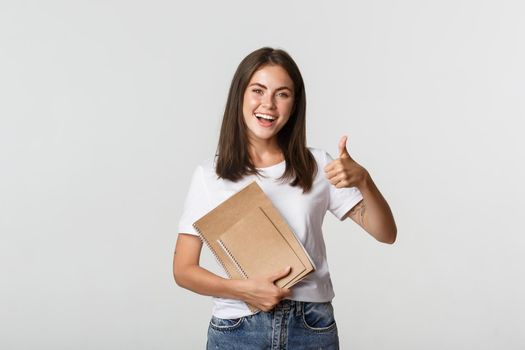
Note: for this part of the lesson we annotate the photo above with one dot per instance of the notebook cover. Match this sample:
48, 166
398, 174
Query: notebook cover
217, 221
257, 248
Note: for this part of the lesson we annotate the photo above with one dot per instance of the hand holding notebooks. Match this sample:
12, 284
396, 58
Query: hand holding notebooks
234, 218
257, 248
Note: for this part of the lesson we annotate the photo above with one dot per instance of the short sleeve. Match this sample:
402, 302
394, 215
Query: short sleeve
195, 204
341, 199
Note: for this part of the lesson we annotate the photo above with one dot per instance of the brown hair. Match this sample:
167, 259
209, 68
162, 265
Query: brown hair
233, 160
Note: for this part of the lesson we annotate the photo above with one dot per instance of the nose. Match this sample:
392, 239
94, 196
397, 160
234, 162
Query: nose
268, 101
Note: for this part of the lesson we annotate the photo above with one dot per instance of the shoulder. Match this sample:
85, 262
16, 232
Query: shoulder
205, 165
205, 168
319, 154
208, 164
316, 151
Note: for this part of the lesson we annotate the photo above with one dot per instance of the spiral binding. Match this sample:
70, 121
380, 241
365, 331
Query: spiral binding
212, 250
235, 262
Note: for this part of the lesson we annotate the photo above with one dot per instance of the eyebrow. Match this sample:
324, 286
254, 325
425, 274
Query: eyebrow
279, 88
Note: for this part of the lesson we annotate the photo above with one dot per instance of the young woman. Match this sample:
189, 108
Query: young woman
263, 138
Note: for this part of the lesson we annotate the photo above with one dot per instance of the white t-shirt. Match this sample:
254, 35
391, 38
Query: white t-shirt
304, 214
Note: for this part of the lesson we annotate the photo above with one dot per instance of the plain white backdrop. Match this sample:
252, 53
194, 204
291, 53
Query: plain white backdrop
107, 106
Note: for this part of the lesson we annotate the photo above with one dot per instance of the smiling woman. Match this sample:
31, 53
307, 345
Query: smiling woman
268, 98
265, 100
263, 139
266, 85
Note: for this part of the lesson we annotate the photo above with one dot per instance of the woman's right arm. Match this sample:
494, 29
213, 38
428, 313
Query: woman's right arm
260, 292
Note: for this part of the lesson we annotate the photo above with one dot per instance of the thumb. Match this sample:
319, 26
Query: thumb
280, 274
343, 153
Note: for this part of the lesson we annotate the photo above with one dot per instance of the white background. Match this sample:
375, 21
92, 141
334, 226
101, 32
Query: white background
107, 106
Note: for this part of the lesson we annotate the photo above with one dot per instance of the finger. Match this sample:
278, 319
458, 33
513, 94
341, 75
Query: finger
280, 274
285, 292
331, 174
329, 166
342, 184
343, 152
336, 173
334, 165
336, 180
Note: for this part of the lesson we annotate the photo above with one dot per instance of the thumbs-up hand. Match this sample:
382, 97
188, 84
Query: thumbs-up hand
344, 171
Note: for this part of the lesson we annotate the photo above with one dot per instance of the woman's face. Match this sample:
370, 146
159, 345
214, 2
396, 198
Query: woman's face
268, 101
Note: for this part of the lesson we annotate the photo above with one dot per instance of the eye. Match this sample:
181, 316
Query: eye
283, 94
257, 91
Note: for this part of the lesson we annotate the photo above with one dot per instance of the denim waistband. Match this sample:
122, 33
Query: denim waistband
294, 306
291, 324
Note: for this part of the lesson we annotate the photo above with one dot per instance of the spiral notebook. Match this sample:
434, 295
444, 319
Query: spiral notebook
250, 238
257, 248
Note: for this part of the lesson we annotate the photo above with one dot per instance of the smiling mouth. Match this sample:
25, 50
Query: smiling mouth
265, 119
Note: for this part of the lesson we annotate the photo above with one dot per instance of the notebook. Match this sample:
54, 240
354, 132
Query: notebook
257, 248
235, 223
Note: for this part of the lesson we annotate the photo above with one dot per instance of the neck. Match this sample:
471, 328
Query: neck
265, 151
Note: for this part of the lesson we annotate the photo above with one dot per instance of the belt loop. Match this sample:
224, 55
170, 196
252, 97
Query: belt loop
298, 308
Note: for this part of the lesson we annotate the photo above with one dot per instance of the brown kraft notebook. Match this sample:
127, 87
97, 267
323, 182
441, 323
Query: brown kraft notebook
249, 238
257, 248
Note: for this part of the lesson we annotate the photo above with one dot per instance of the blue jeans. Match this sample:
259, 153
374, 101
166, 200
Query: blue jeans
290, 325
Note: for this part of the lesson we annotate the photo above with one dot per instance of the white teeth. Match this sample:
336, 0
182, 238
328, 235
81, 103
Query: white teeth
265, 116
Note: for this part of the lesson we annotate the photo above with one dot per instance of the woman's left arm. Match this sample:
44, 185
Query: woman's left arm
372, 213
